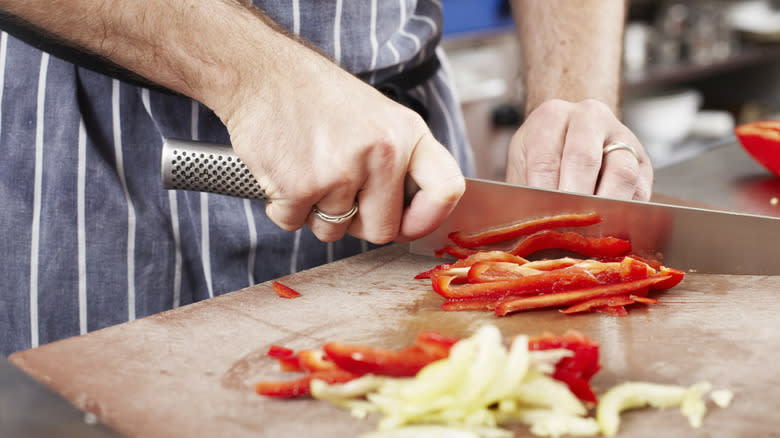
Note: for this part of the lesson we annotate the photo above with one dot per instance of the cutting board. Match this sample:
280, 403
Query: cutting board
188, 372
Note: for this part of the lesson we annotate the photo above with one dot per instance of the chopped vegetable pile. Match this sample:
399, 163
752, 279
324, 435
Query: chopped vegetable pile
505, 282
447, 387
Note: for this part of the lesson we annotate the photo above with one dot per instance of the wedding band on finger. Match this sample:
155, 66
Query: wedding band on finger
337, 219
618, 146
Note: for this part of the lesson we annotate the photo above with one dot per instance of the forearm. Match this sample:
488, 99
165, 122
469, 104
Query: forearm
205, 49
571, 50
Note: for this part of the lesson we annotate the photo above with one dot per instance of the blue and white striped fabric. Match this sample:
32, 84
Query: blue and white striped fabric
90, 238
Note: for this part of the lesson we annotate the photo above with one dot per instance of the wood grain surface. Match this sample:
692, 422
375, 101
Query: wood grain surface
189, 372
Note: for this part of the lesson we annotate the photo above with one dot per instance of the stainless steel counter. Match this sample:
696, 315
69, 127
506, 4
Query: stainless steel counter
725, 177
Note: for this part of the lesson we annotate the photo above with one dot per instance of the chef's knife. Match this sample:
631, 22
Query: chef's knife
695, 239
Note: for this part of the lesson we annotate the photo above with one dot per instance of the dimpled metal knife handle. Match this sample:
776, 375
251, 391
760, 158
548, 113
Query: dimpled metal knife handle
207, 167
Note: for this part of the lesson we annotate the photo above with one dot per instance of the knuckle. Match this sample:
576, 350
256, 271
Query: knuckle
553, 108
626, 175
544, 163
584, 159
594, 108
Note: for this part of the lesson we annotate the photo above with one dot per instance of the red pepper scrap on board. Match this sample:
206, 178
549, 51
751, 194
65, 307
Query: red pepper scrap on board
606, 281
284, 291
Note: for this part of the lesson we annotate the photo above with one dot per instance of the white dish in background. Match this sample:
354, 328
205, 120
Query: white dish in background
663, 120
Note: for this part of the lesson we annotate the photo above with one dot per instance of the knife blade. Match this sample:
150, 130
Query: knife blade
695, 239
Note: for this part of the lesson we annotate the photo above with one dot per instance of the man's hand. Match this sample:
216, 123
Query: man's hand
572, 59
318, 136
560, 145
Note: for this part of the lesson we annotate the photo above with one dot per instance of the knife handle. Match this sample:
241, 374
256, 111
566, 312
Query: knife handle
207, 167
215, 168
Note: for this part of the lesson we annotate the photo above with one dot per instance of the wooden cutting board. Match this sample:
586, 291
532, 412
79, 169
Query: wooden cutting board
188, 372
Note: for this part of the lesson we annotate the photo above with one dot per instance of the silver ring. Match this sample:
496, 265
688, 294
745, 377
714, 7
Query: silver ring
617, 146
338, 218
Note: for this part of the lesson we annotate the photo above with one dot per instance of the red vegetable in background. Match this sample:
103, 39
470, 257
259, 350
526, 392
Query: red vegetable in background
762, 141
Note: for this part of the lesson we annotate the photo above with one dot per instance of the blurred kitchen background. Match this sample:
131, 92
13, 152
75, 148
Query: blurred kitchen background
692, 71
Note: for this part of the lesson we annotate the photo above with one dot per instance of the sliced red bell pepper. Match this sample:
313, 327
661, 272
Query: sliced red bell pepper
523, 228
361, 359
577, 370
762, 141
290, 364
643, 299
301, 386
476, 303
284, 291
578, 385
570, 297
571, 241
549, 281
620, 300
427, 274
455, 251
434, 343
585, 361
315, 360
277, 351
612, 310
675, 277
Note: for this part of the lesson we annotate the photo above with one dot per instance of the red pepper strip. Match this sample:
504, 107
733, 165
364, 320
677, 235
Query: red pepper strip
277, 351
584, 363
517, 229
612, 310
476, 303
435, 344
644, 300
570, 297
315, 360
571, 241
455, 251
620, 300
490, 256
482, 272
676, 276
360, 359
427, 274
290, 363
284, 291
578, 385
551, 281
653, 263
762, 141
577, 370
301, 386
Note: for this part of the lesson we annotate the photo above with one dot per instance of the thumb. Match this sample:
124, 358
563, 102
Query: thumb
440, 183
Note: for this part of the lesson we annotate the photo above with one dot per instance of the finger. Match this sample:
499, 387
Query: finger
516, 162
289, 213
380, 199
337, 202
581, 161
622, 173
544, 133
441, 185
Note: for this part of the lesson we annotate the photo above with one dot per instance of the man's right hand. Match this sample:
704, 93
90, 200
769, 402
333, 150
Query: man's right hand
315, 135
